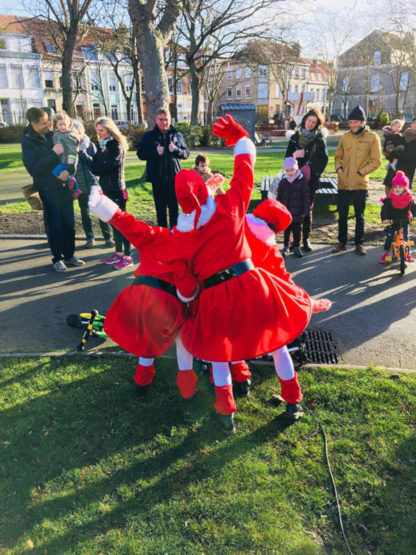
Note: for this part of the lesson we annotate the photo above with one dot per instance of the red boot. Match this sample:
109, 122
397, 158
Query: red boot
291, 391
240, 371
186, 382
144, 374
224, 399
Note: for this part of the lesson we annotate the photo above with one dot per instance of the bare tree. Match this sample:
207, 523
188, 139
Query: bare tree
215, 29
68, 25
153, 23
212, 78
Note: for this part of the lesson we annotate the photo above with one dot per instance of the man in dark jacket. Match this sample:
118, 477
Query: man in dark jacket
163, 147
40, 157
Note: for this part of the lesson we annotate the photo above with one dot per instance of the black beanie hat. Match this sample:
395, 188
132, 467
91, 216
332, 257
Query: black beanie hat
357, 113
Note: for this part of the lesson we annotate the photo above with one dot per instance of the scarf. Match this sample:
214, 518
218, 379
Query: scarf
306, 137
103, 142
359, 131
400, 201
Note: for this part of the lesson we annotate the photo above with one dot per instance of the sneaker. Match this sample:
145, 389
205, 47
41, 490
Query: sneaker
226, 422
383, 257
125, 262
113, 259
59, 266
339, 248
298, 252
109, 243
409, 257
359, 249
284, 251
89, 244
75, 261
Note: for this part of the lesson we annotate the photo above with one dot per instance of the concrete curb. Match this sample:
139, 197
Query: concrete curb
55, 354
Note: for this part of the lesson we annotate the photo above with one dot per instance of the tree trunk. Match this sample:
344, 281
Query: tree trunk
67, 78
195, 88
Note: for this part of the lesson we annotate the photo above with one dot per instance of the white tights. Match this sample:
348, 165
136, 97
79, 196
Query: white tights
283, 363
184, 358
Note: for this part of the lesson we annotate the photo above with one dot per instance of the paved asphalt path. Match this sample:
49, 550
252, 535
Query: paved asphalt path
373, 318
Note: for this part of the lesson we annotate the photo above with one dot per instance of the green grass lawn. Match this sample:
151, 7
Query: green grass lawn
87, 467
10, 157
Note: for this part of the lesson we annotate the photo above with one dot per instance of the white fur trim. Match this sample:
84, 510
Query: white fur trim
245, 146
101, 206
261, 230
186, 221
188, 299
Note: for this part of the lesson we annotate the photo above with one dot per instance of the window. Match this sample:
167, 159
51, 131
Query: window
247, 72
229, 75
114, 111
90, 52
3, 77
375, 83
296, 88
3, 44
50, 47
262, 111
248, 91
95, 80
17, 77
377, 57
304, 73
179, 86
262, 90
129, 82
34, 80
76, 80
277, 91
170, 84
238, 73
345, 84
404, 81
229, 93
238, 93
263, 72
296, 71
112, 83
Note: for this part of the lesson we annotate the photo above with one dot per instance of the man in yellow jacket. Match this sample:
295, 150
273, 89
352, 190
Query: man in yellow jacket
358, 154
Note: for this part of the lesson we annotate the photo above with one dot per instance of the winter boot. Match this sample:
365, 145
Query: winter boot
186, 382
241, 375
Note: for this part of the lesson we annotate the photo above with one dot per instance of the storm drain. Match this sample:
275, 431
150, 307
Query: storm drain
320, 347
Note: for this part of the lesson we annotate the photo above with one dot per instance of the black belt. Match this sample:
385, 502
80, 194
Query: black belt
229, 273
156, 283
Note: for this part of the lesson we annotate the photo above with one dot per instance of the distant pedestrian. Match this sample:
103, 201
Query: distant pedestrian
163, 147
308, 146
357, 156
408, 162
40, 156
393, 150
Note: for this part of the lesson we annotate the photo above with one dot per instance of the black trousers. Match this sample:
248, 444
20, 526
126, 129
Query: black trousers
295, 228
307, 222
58, 205
357, 198
165, 200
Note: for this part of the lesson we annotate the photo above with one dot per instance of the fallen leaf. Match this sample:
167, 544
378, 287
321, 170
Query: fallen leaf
30, 544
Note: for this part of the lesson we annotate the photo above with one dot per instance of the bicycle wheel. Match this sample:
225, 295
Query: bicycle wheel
402, 260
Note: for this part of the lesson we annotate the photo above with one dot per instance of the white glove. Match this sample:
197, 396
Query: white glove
100, 205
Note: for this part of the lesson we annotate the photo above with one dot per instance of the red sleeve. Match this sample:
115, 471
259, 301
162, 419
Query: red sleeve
137, 232
237, 198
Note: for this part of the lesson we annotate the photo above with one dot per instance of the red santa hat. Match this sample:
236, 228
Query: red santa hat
191, 192
275, 213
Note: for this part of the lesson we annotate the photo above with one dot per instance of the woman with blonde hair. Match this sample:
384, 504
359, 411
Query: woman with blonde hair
108, 164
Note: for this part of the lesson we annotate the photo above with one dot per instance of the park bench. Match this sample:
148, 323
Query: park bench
327, 191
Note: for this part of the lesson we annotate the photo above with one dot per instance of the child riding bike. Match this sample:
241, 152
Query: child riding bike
397, 206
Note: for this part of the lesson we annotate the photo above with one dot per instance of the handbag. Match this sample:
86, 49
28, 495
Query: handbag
274, 185
32, 197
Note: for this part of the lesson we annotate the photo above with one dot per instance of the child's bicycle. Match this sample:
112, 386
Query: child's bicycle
92, 323
399, 247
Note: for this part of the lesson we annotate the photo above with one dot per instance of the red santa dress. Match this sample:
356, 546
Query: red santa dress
250, 314
146, 317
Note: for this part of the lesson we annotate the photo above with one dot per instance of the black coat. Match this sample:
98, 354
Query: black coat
315, 153
109, 166
161, 170
39, 159
389, 212
295, 196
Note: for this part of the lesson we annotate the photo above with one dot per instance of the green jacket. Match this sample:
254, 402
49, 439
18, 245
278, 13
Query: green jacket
358, 156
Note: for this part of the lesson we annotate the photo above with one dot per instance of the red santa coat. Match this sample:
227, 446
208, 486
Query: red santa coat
145, 320
248, 315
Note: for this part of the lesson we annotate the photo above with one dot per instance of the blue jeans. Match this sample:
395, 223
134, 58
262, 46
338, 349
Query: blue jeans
345, 198
389, 231
59, 212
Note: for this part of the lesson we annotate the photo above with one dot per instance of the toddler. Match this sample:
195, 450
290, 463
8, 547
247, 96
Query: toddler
393, 143
69, 138
213, 180
398, 205
294, 193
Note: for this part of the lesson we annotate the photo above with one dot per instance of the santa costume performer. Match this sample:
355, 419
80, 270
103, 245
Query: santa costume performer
146, 317
243, 311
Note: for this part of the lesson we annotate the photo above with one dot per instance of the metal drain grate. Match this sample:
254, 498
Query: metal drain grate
320, 347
